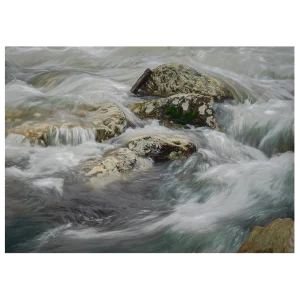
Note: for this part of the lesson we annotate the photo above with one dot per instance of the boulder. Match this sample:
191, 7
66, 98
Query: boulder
160, 149
174, 78
179, 109
276, 237
113, 161
101, 122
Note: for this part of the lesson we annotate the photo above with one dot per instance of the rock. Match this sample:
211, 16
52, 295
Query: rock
17, 114
102, 121
276, 237
160, 149
173, 78
180, 109
107, 119
36, 133
48, 80
113, 161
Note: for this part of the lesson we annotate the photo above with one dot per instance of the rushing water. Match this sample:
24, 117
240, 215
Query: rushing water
239, 178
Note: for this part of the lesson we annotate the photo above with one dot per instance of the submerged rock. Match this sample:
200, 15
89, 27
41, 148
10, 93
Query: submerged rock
113, 161
160, 149
15, 114
48, 80
180, 109
174, 78
100, 122
276, 237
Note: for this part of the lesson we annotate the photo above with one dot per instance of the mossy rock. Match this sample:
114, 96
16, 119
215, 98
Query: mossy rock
173, 78
276, 237
180, 109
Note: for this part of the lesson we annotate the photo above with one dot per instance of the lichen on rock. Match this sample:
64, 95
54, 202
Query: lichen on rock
180, 109
160, 148
173, 78
276, 237
108, 120
113, 161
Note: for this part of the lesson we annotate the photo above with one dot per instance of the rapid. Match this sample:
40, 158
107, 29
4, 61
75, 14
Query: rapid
239, 178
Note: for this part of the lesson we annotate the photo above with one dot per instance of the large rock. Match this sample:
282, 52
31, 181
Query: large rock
159, 148
179, 109
113, 161
276, 237
173, 78
101, 122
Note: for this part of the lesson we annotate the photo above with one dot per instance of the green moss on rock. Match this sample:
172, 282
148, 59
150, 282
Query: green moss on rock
180, 109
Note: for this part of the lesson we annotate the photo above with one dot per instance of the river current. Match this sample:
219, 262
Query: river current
239, 178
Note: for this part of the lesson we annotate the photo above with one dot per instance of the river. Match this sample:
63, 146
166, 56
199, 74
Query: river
239, 178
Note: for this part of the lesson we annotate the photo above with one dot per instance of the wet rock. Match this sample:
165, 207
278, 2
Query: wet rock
276, 237
102, 121
48, 80
36, 133
159, 148
174, 78
13, 114
180, 109
113, 161
107, 119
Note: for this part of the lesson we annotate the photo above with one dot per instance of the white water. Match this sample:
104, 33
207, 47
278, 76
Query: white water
238, 178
